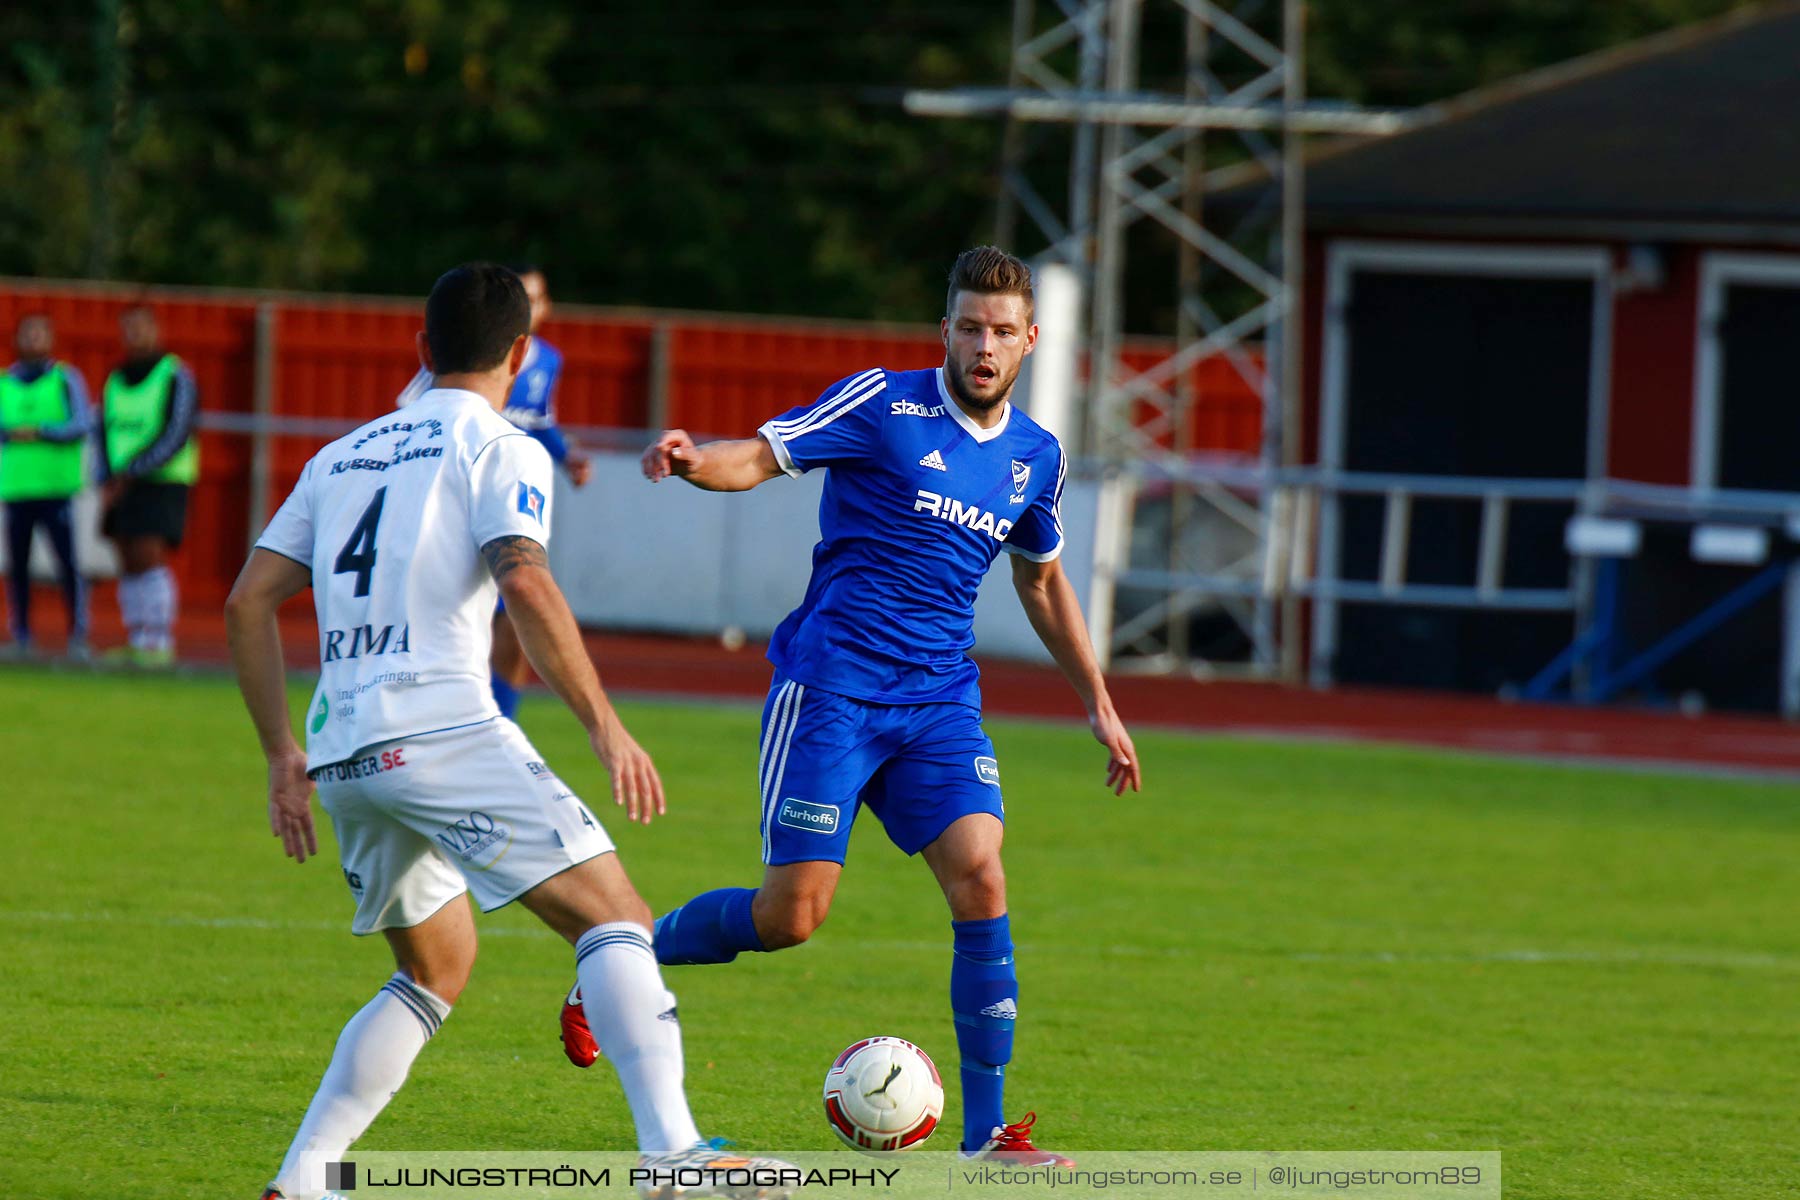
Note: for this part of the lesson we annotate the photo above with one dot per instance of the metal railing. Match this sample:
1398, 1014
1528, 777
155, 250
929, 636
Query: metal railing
1301, 552
1298, 522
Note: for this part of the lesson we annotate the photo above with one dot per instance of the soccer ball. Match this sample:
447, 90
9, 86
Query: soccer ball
883, 1093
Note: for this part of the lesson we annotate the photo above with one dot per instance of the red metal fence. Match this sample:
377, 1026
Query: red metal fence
344, 359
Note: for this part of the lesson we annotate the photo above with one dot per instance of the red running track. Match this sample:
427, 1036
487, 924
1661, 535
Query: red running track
702, 667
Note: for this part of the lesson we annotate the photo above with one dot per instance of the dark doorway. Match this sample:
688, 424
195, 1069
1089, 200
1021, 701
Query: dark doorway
1470, 376
1734, 666
1759, 390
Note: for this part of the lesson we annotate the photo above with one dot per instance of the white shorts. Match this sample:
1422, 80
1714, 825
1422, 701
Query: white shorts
421, 820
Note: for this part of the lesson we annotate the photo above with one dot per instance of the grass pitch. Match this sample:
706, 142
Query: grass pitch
1276, 947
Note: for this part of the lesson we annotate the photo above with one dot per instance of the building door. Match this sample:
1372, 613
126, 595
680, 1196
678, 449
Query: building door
1746, 437
1759, 387
1460, 369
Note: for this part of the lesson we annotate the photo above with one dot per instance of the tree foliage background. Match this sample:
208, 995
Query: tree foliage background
725, 155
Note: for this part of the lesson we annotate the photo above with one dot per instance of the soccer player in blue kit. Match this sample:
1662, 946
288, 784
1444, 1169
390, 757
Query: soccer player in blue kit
930, 474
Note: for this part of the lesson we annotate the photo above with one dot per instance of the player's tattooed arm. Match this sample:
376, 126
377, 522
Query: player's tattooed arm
552, 642
505, 555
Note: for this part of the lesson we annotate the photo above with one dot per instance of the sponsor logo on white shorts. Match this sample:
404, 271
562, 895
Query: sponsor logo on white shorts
987, 770
815, 818
391, 759
478, 839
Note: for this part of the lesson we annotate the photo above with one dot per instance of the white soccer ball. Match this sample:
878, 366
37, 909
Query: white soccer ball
883, 1093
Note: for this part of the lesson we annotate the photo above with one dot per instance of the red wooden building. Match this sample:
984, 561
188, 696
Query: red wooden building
1590, 273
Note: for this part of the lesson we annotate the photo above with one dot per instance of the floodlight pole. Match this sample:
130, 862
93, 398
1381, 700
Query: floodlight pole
1012, 133
1135, 155
1107, 328
1289, 386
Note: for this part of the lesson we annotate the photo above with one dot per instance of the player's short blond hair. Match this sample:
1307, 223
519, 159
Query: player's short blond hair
990, 271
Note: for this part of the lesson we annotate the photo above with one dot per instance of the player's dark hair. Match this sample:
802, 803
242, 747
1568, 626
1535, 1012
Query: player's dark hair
990, 271
474, 314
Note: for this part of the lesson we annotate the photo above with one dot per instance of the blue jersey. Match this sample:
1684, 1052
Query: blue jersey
918, 501
532, 403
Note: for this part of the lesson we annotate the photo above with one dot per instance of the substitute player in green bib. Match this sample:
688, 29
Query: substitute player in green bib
45, 421
151, 462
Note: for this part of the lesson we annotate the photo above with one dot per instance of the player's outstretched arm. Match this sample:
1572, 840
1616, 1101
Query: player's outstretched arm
552, 641
735, 466
265, 583
1055, 614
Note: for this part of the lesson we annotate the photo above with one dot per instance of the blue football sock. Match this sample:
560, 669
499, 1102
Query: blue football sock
984, 996
713, 927
505, 695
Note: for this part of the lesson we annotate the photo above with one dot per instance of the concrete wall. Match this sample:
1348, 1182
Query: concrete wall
670, 558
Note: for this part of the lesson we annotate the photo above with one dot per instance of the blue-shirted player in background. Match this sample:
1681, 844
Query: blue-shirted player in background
532, 407
874, 702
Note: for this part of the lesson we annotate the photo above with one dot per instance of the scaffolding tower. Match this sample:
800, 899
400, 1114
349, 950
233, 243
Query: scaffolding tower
1142, 160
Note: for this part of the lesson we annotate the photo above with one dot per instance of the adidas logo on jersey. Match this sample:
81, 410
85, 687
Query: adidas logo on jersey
934, 460
1005, 1009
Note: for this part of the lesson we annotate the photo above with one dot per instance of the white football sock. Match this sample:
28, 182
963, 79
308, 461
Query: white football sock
374, 1053
633, 1018
159, 615
131, 606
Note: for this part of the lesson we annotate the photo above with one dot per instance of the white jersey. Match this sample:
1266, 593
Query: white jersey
391, 520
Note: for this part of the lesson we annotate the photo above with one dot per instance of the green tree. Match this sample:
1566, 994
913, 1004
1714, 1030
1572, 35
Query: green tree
719, 155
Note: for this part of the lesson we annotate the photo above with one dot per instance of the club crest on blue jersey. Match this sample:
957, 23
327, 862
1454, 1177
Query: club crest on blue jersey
1021, 475
531, 502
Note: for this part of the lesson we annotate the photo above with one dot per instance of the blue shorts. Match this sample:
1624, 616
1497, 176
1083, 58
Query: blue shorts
918, 767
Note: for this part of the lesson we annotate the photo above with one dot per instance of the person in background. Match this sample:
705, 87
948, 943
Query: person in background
531, 406
151, 462
45, 420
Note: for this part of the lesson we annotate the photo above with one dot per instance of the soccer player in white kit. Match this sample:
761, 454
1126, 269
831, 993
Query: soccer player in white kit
405, 529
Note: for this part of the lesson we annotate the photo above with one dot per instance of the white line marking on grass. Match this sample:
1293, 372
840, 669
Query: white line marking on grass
163, 921
1714, 959
1661, 958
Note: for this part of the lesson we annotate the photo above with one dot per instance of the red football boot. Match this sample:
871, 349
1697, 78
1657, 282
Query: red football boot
1011, 1144
274, 1193
577, 1039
